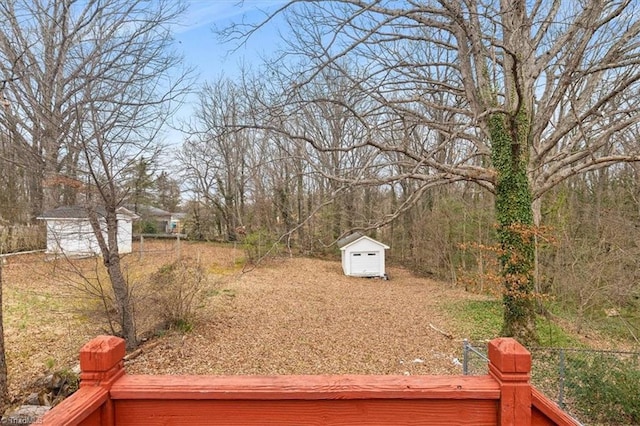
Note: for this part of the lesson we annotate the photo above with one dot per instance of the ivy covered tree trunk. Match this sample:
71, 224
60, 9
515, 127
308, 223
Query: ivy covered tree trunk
515, 224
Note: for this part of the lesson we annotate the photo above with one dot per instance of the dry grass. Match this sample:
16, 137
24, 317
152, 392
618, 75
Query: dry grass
43, 324
293, 316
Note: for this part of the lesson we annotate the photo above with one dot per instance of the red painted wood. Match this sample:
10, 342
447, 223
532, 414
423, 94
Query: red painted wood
101, 361
107, 397
547, 412
510, 364
539, 419
509, 356
84, 407
515, 405
390, 412
305, 387
96, 418
102, 353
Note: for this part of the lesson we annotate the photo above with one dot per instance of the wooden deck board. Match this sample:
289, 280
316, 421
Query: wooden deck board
83, 407
305, 387
321, 413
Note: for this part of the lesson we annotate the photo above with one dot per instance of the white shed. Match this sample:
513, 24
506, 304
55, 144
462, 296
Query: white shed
69, 231
362, 256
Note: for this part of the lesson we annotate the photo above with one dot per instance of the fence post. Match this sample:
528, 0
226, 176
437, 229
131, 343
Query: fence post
510, 365
465, 357
102, 364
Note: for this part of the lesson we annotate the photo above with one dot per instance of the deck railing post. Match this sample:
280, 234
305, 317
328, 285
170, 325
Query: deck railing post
510, 365
102, 364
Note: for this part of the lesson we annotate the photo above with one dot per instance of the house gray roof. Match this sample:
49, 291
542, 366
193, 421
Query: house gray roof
79, 212
151, 211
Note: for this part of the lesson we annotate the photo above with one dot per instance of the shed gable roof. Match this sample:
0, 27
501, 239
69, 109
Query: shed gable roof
80, 212
354, 238
349, 239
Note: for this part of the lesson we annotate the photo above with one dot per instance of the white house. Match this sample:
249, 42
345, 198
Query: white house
69, 231
362, 256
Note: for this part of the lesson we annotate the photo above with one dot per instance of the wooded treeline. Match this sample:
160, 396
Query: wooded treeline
439, 127
284, 191
449, 130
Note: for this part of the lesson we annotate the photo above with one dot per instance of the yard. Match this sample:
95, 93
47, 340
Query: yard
290, 316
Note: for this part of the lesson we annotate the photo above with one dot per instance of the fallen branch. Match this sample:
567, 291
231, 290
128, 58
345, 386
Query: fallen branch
139, 351
444, 333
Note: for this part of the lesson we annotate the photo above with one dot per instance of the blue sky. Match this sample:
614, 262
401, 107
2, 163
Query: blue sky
203, 48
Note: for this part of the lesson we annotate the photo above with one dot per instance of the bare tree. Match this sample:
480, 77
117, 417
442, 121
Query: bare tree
4, 378
97, 80
39, 49
50, 50
122, 123
217, 157
515, 96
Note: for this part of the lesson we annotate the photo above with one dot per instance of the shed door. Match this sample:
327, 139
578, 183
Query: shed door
365, 263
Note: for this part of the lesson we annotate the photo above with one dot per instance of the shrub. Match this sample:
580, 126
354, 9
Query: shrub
176, 287
605, 389
147, 227
260, 244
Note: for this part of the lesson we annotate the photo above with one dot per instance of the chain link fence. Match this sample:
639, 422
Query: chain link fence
596, 387
475, 361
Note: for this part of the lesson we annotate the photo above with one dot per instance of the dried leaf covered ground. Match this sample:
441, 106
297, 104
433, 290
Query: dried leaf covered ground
303, 316
290, 316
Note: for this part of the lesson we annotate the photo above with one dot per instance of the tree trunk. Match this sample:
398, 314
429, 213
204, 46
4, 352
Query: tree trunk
515, 225
119, 284
111, 260
4, 385
123, 301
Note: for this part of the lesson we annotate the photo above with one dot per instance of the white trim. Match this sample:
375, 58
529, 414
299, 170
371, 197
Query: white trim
364, 237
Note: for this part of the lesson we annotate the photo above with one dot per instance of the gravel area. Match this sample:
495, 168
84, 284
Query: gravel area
303, 316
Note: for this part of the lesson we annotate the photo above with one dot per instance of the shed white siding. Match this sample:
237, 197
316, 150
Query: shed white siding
125, 234
364, 257
73, 236
70, 236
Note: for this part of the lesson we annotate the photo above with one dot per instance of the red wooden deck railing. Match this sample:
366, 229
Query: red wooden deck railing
109, 397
